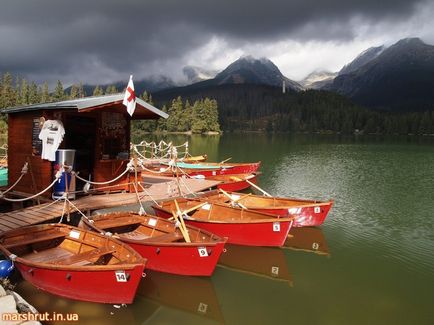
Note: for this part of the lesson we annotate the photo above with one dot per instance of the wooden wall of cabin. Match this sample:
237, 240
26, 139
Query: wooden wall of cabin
113, 137
20, 150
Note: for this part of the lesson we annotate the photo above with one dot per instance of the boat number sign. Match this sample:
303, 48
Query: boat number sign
294, 210
202, 252
152, 222
202, 308
74, 234
275, 270
121, 276
317, 209
276, 226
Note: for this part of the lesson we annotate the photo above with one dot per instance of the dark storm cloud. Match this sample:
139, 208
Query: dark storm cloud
105, 40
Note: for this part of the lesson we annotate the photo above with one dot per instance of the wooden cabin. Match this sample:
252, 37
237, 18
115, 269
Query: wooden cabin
98, 128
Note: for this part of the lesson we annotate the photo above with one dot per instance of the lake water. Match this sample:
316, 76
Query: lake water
372, 262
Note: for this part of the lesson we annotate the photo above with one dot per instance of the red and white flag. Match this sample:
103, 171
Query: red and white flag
130, 97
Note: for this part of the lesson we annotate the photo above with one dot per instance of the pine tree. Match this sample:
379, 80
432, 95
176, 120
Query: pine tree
81, 92
33, 93
8, 98
98, 91
212, 115
24, 92
45, 94
198, 121
111, 90
73, 92
175, 112
59, 92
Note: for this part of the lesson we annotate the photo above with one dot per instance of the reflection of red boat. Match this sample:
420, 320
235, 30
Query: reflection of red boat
306, 212
309, 239
162, 243
269, 262
75, 263
236, 182
195, 295
82, 311
241, 226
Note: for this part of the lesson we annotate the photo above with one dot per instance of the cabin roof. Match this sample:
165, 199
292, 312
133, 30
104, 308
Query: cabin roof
143, 110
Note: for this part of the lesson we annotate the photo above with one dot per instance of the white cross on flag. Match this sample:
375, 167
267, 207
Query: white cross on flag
130, 97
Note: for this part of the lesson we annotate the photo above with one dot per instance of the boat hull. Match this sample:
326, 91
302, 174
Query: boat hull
102, 286
234, 169
305, 216
236, 185
267, 233
306, 213
182, 259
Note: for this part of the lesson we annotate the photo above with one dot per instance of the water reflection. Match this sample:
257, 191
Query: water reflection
88, 313
310, 239
269, 262
194, 296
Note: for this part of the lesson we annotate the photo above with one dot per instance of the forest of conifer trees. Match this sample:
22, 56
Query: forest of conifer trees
236, 108
199, 117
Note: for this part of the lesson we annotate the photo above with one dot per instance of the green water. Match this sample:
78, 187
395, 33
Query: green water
378, 261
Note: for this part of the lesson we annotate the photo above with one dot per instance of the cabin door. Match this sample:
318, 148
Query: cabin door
80, 134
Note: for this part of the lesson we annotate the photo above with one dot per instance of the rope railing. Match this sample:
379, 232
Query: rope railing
132, 166
24, 171
58, 175
162, 150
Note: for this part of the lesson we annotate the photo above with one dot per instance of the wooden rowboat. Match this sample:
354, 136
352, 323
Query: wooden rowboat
162, 243
237, 182
241, 226
205, 169
306, 212
194, 159
75, 263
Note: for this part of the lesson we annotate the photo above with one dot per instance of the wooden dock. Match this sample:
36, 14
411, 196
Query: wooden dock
156, 188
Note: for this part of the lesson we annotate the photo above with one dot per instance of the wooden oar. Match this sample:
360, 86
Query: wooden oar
187, 239
194, 208
252, 184
222, 162
258, 188
191, 209
183, 232
232, 200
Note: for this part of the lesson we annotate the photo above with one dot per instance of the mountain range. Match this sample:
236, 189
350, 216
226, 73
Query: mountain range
399, 77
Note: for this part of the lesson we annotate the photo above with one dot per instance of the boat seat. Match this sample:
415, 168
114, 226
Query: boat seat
105, 224
35, 240
85, 257
169, 237
134, 235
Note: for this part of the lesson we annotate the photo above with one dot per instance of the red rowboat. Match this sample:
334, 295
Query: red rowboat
162, 243
306, 212
236, 182
241, 226
75, 263
206, 169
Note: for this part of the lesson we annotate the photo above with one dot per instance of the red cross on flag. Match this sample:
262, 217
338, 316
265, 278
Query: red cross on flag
130, 97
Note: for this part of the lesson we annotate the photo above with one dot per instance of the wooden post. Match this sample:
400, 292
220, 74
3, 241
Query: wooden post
33, 179
68, 216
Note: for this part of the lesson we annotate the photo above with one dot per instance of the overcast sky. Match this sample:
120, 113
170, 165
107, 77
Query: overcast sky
103, 41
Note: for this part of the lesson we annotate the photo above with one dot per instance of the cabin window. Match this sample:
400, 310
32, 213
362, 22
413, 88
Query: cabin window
114, 136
